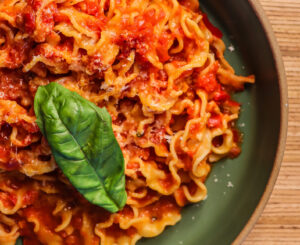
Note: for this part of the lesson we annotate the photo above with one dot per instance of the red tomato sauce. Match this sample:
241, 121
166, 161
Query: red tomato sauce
214, 30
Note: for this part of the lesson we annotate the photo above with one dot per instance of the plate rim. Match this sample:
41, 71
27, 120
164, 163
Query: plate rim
283, 90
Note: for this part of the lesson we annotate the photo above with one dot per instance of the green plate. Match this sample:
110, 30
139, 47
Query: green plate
236, 188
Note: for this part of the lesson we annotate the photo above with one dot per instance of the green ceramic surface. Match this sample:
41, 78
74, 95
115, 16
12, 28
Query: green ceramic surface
236, 186
19, 242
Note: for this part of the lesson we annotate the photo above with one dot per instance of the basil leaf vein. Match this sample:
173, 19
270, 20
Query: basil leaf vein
83, 144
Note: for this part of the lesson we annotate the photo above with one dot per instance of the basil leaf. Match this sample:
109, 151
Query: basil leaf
83, 144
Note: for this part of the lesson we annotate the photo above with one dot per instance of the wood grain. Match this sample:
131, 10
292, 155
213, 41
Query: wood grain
280, 221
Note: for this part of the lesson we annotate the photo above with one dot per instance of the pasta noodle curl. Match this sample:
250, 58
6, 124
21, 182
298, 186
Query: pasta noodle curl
160, 72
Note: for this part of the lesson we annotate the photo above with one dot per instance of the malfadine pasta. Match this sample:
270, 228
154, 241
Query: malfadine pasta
157, 66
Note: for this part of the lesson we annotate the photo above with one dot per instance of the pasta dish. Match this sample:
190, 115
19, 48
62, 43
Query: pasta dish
157, 66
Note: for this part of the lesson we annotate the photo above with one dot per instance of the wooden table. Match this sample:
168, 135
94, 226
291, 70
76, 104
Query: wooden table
280, 221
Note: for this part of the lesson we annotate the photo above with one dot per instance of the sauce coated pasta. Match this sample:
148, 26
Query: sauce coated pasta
158, 68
